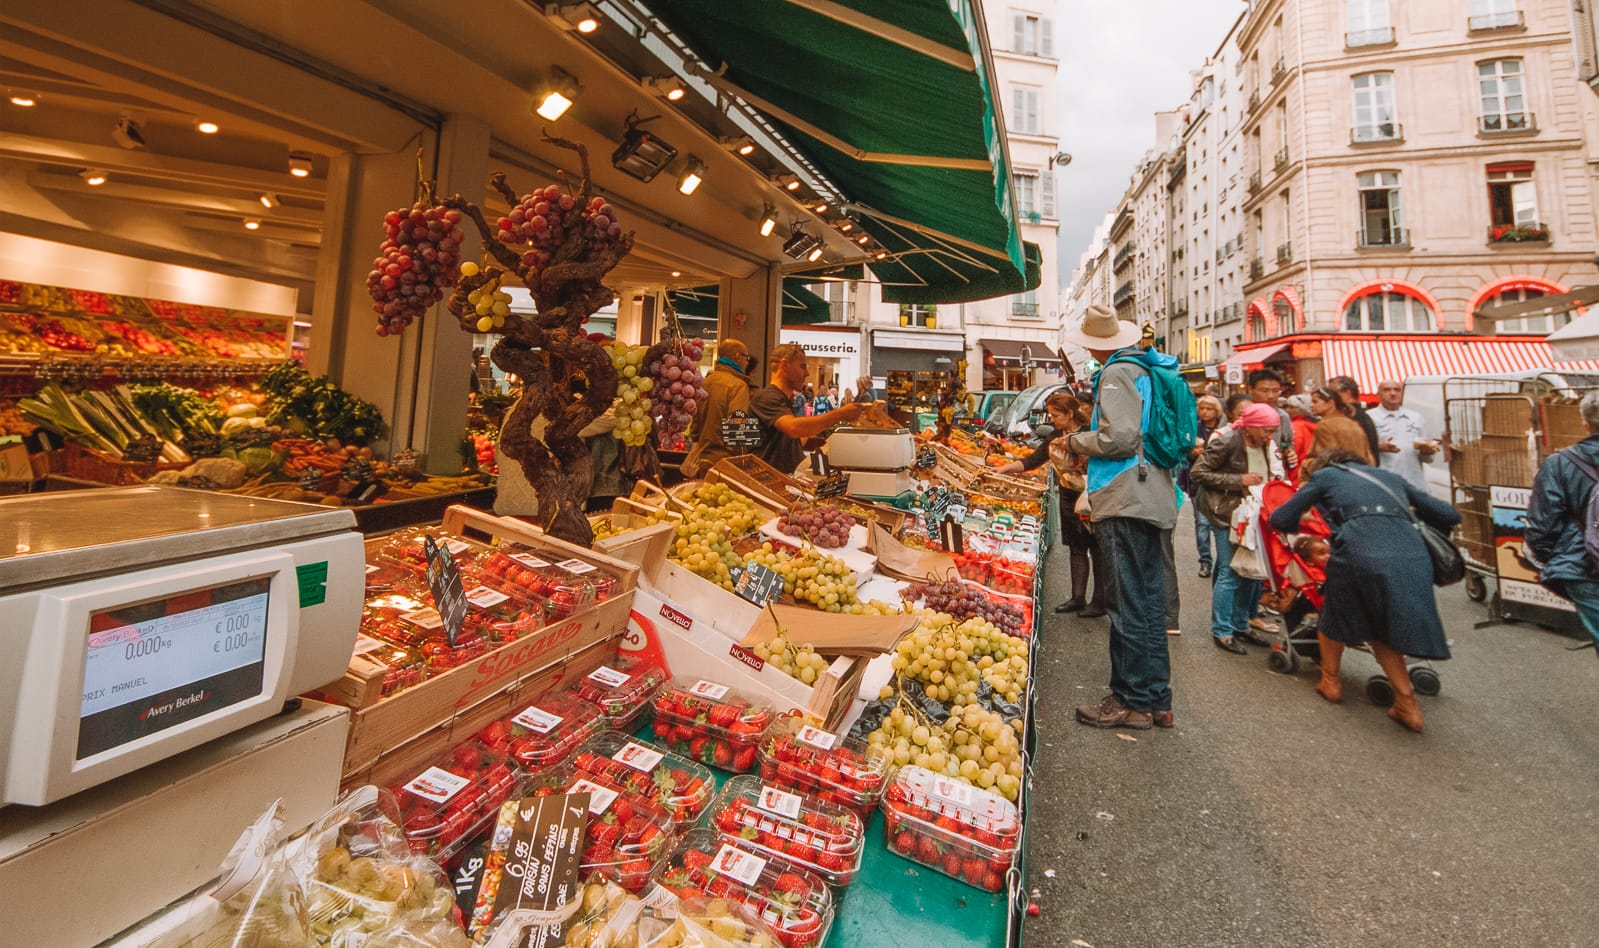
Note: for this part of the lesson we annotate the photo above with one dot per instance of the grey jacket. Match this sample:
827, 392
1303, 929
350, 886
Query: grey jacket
1121, 483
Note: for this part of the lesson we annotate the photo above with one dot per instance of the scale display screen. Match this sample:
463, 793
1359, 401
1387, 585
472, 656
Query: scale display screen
161, 662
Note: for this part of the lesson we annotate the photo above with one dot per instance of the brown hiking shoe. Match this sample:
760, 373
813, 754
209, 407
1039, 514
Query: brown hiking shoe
1163, 718
1111, 713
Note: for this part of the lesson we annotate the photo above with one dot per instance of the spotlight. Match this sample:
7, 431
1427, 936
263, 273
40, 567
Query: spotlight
819, 207
864, 239
268, 201
677, 273
880, 255
583, 17
251, 223
641, 154
670, 88
557, 95
24, 100
128, 132
814, 255
801, 243
693, 175
846, 225
299, 164
768, 220
742, 145
207, 127
92, 177
788, 181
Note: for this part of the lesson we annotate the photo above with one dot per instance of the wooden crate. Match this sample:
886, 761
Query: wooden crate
754, 477
1506, 415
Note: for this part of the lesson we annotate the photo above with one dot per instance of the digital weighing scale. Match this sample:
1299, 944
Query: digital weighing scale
876, 460
139, 622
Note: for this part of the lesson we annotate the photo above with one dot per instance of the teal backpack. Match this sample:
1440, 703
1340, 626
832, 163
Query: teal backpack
1173, 417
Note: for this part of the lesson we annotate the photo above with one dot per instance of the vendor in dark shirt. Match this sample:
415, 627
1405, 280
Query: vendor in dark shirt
783, 433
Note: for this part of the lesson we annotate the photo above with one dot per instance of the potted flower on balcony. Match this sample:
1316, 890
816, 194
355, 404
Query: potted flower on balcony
1518, 233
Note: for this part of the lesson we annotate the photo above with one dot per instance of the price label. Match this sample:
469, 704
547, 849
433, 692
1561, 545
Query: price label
428, 619
577, 566
444, 581
538, 720
485, 598
529, 560
709, 689
740, 432
773, 800
756, 583
737, 864
835, 484
437, 784
926, 458
371, 568
816, 737
600, 798
608, 676
639, 757
366, 644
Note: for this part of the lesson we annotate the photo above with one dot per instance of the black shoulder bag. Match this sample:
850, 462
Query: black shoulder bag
1448, 567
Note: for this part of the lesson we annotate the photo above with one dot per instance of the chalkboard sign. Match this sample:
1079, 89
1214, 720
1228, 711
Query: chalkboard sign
757, 583
951, 535
741, 432
833, 485
444, 579
926, 458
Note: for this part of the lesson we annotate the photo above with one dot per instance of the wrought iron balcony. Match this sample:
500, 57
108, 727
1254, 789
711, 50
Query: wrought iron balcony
1278, 70
1386, 237
1381, 36
1510, 123
1254, 100
1123, 256
1123, 293
1285, 252
1382, 133
1254, 184
1257, 268
1282, 160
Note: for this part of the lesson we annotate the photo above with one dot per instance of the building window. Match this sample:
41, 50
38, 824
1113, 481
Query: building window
1493, 14
1502, 94
1026, 185
1512, 201
1024, 109
1381, 222
1533, 325
1374, 107
1025, 304
1366, 23
1388, 312
1032, 35
918, 314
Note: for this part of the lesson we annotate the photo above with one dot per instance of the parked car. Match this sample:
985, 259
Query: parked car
987, 404
1024, 413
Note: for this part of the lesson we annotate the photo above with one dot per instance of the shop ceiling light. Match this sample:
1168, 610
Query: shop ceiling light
801, 243
677, 273
299, 164
880, 255
268, 201
846, 225
814, 255
251, 223
558, 95
24, 100
583, 17
789, 182
768, 220
206, 127
693, 176
819, 207
93, 177
743, 145
670, 88
641, 154
864, 239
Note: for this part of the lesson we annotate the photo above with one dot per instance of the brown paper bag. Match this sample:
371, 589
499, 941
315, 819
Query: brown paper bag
902, 562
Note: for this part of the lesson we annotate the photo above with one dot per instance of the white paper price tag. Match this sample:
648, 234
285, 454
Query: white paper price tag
816, 737
737, 864
608, 676
600, 798
538, 720
485, 598
709, 689
575, 565
437, 784
371, 568
428, 619
528, 559
639, 757
457, 547
366, 644
778, 801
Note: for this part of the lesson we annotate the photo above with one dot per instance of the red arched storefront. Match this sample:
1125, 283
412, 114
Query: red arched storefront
1509, 284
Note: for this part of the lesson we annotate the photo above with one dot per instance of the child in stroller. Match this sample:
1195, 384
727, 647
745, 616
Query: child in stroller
1296, 565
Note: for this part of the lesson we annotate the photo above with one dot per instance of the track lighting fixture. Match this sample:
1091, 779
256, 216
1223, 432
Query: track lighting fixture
789, 182
768, 220
299, 164
669, 88
641, 154
24, 100
743, 145
557, 95
93, 177
268, 201
583, 17
864, 239
814, 255
800, 243
251, 223
692, 176
207, 127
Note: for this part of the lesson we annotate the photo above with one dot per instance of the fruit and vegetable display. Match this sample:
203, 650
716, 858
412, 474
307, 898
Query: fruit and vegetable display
965, 833
568, 586
677, 392
836, 768
999, 573
810, 832
711, 723
963, 601
824, 525
318, 408
798, 661
792, 900
676, 784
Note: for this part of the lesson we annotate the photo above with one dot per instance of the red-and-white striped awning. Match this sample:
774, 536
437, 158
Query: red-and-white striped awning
1369, 361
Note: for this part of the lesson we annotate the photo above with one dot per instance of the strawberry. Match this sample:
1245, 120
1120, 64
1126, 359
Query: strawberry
801, 851
927, 851
833, 862
723, 755
728, 820
604, 830
975, 871
722, 715
953, 865
791, 887
994, 882
744, 760
904, 842
695, 859
662, 729
634, 873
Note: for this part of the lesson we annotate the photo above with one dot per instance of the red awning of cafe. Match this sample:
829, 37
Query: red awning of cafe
1372, 359
1259, 355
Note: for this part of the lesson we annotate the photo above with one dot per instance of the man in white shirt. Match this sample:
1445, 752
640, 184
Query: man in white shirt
1403, 443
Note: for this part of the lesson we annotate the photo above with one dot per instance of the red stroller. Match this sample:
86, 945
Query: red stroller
1290, 570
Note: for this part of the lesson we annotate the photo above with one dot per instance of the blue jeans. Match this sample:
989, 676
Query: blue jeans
1140, 665
1201, 535
1585, 596
1231, 595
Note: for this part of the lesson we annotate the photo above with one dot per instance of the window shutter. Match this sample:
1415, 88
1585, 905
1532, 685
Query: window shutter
1046, 36
1032, 110
1018, 102
1049, 194
1018, 33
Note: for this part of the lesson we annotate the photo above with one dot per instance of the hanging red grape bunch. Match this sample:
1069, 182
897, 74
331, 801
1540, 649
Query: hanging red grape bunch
419, 261
678, 391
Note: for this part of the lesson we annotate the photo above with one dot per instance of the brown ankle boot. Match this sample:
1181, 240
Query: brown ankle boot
1404, 709
1332, 656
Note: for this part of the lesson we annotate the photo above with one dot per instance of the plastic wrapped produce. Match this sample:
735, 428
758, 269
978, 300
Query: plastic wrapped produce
454, 799
838, 768
711, 723
963, 832
820, 836
623, 689
793, 901
676, 784
546, 732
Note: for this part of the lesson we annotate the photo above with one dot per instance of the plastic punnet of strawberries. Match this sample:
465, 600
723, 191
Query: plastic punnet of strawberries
627, 833
451, 800
823, 837
792, 900
546, 732
839, 769
623, 689
711, 723
678, 785
962, 831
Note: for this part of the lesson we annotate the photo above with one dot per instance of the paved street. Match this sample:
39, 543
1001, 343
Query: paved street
1269, 817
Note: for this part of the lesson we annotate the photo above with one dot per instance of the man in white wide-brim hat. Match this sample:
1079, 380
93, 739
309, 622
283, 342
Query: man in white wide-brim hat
1133, 506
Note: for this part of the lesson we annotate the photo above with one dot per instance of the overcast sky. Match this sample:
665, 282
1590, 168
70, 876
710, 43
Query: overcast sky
1121, 62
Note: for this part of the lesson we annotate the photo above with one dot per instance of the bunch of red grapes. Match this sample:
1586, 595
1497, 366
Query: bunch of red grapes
824, 525
677, 393
419, 261
539, 220
964, 600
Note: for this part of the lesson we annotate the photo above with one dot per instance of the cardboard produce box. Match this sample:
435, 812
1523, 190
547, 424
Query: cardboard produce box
1506, 414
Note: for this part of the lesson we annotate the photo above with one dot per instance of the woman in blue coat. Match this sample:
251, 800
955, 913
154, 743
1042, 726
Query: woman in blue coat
1379, 581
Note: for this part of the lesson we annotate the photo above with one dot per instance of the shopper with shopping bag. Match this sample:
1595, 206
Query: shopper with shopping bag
1235, 462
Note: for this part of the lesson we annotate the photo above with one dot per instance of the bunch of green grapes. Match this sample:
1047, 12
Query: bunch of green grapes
702, 546
797, 661
737, 513
491, 302
951, 658
974, 745
633, 421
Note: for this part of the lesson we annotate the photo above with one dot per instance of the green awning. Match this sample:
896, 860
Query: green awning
893, 102
800, 306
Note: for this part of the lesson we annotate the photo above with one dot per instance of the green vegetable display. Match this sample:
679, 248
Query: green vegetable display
318, 408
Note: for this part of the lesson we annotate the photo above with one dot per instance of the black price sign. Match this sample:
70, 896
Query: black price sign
951, 535
757, 583
926, 458
833, 485
741, 432
444, 579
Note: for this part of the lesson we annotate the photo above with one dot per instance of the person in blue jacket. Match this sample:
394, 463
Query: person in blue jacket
1557, 521
1379, 580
